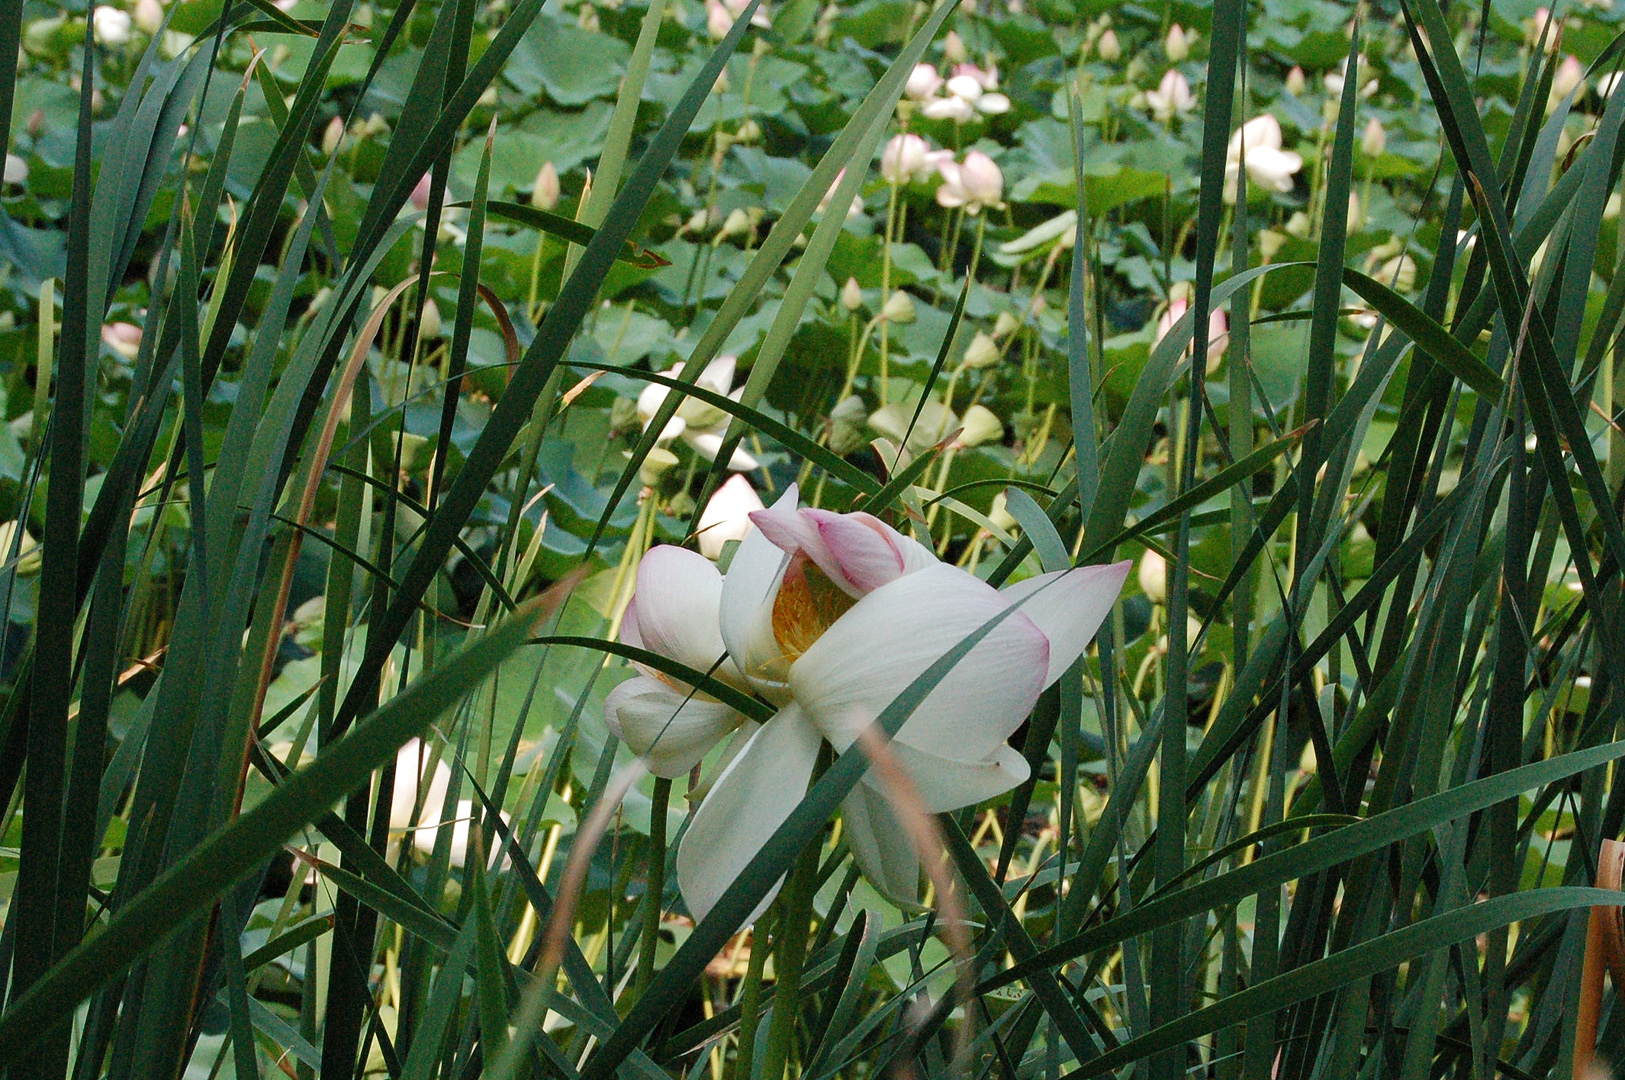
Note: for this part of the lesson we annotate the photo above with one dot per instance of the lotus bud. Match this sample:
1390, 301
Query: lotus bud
1295, 81
1177, 45
1110, 48
749, 132
980, 426
1270, 242
999, 514
123, 338
1299, 225
983, 352
110, 26
1374, 140
1356, 213
1398, 273
717, 20
429, 326
657, 464
923, 82
737, 223
333, 136
149, 16
420, 193
899, 308
851, 294
1005, 325
1153, 576
727, 515
953, 48
982, 179
411, 770
1569, 79
544, 194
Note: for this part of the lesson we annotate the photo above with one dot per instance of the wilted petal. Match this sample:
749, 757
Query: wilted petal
873, 652
880, 845
1068, 606
679, 597
751, 799
670, 729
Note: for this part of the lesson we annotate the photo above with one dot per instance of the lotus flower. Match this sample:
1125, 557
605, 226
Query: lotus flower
1218, 329
1268, 166
974, 183
830, 617
971, 90
695, 422
923, 82
1171, 98
674, 613
907, 158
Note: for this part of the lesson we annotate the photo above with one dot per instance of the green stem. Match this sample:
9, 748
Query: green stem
654, 897
789, 956
885, 294
750, 998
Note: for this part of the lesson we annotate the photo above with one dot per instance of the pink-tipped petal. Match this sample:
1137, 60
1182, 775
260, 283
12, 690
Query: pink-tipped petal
862, 557
1068, 606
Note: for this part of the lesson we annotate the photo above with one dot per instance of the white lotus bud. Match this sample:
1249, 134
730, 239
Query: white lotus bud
333, 136
980, 426
737, 223
851, 294
953, 48
110, 26
1005, 325
1374, 140
923, 82
429, 327
123, 338
1153, 576
657, 464
717, 20
1177, 45
899, 308
983, 352
1295, 81
544, 193
149, 16
1108, 45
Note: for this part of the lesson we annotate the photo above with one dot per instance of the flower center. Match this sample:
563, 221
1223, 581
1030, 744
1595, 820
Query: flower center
808, 604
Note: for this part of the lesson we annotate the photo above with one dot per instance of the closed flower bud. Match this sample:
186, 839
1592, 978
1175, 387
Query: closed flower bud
982, 352
727, 515
923, 82
737, 223
899, 308
1177, 45
851, 294
1110, 48
110, 26
333, 136
1005, 324
1154, 577
1295, 81
1374, 140
657, 464
149, 16
544, 194
717, 20
429, 327
980, 426
953, 48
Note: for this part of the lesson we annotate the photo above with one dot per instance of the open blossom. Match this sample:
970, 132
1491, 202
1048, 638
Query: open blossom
907, 158
830, 617
971, 90
1268, 165
973, 183
1171, 97
697, 423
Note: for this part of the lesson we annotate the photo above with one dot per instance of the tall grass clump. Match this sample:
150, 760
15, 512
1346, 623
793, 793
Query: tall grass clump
365, 369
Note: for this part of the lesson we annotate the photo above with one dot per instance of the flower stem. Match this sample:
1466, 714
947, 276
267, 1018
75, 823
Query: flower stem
790, 954
657, 884
885, 291
750, 997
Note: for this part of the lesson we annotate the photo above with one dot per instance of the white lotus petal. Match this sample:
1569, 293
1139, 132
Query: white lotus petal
1068, 606
752, 798
946, 783
709, 443
874, 651
746, 616
880, 845
668, 728
411, 767
679, 595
